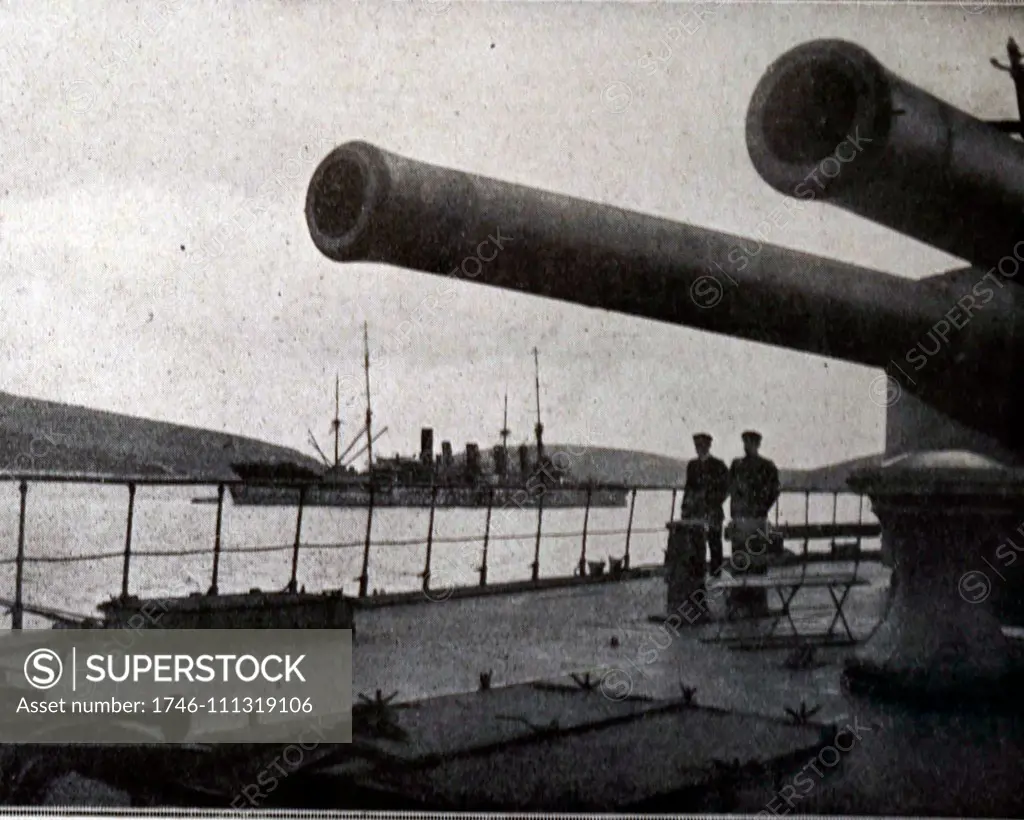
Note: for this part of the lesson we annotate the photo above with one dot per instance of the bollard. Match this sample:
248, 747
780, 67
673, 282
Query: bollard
685, 570
945, 513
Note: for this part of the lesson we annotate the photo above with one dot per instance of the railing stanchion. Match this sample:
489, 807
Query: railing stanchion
583, 546
536, 550
629, 528
672, 512
430, 539
487, 535
807, 518
293, 584
835, 506
860, 516
216, 540
17, 610
126, 570
364, 576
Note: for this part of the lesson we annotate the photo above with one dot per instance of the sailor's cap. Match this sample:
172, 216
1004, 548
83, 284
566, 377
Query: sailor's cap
751, 435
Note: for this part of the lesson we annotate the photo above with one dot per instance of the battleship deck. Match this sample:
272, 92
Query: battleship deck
554, 745
459, 747
906, 760
434, 653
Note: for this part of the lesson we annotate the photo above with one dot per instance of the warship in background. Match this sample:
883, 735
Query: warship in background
447, 479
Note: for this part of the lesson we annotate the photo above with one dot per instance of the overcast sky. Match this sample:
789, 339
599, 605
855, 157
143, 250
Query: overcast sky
131, 131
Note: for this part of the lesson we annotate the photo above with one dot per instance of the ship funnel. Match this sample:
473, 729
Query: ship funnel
500, 460
472, 459
427, 446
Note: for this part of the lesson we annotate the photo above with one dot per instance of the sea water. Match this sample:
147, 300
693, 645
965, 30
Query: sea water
75, 539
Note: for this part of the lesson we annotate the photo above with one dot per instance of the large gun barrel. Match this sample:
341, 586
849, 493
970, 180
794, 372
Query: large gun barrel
828, 122
365, 204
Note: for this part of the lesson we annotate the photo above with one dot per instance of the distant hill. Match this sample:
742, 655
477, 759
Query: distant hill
37, 435
612, 466
831, 477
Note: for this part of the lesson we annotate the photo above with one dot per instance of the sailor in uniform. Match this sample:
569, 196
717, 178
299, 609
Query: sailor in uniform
707, 487
754, 489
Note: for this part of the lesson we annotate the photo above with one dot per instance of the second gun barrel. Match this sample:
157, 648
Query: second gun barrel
828, 122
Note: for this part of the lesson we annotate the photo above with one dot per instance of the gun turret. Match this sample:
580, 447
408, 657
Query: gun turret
828, 122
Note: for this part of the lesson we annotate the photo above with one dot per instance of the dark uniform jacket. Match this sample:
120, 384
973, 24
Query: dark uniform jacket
753, 486
707, 487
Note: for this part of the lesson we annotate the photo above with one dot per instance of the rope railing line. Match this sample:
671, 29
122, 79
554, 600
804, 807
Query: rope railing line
104, 556
252, 550
412, 542
107, 556
99, 556
336, 545
304, 545
256, 549
237, 551
170, 553
462, 539
59, 559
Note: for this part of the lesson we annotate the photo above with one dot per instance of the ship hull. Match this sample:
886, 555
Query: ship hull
444, 497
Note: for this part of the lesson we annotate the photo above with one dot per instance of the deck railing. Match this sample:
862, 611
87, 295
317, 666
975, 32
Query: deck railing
805, 531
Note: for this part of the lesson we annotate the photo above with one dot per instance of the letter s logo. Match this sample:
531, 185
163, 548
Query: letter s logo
43, 668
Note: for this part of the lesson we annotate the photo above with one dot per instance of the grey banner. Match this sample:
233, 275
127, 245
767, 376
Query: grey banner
177, 686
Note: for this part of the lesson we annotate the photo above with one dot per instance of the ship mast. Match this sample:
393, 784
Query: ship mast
539, 428
505, 431
369, 412
336, 424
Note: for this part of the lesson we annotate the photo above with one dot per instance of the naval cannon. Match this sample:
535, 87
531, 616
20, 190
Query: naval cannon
366, 204
956, 183
912, 162
929, 171
827, 123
